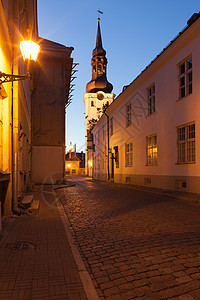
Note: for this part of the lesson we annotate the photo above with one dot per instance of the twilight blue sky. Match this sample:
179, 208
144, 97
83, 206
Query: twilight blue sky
133, 33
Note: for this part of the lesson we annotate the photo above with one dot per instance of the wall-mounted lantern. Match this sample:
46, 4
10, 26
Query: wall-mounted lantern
30, 51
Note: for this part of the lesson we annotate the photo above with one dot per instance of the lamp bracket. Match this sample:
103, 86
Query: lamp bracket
10, 77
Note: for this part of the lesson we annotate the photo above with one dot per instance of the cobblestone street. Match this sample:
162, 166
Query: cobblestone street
135, 244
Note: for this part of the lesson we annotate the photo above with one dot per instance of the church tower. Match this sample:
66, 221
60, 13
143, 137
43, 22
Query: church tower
98, 93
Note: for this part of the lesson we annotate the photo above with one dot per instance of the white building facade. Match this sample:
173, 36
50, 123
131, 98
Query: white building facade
154, 124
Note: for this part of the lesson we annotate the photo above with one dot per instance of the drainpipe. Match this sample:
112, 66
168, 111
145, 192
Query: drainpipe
108, 144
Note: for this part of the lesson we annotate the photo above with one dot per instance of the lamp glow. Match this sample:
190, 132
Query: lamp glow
30, 50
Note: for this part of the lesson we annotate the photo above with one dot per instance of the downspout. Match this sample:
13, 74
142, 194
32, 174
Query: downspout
108, 144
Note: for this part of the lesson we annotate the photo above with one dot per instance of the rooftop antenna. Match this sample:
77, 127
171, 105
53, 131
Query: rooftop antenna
99, 12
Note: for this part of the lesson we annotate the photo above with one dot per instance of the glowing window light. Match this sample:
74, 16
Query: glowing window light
30, 50
90, 163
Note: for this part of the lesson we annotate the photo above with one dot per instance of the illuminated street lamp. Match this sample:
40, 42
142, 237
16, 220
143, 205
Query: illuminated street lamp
30, 51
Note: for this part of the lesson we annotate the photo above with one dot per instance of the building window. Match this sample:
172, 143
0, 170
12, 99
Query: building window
186, 143
152, 152
151, 100
129, 154
185, 78
99, 69
111, 126
92, 103
128, 114
116, 156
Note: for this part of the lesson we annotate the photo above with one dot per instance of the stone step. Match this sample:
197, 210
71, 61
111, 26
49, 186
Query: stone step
27, 201
35, 207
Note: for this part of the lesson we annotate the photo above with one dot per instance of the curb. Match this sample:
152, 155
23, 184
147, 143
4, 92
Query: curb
84, 275
159, 193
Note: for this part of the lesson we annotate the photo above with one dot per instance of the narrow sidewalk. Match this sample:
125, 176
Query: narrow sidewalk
36, 260
177, 194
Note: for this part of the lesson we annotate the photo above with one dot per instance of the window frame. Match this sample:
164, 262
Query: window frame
129, 154
151, 91
186, 144
128, 114
150, 150
185, 80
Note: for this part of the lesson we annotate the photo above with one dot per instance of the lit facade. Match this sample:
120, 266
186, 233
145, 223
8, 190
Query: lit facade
18, 21
31, 147
154, 123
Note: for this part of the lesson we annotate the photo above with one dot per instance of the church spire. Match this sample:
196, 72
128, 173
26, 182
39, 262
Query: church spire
99, 62
99, 40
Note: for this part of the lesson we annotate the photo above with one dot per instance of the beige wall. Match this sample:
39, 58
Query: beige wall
47, 164
15, 107
51, 75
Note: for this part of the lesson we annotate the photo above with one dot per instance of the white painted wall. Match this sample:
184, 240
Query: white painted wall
170, 113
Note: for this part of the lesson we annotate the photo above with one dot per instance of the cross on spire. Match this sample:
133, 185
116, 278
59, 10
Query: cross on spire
99, 12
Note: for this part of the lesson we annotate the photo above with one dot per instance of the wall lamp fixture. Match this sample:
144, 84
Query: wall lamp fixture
30, 51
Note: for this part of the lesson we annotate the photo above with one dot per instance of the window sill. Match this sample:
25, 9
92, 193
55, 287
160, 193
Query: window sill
186, 163
150, 115
152, 165
183, 97
128, 166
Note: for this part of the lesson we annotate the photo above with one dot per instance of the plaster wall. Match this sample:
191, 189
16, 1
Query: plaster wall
47, 164
170, 113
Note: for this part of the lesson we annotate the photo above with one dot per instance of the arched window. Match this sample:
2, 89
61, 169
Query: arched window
92, 103
99, 69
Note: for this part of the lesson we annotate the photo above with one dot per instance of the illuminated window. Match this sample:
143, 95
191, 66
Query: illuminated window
185, 78
151, 100
186, 143
128, 154
128, 114
111, 126
152, 153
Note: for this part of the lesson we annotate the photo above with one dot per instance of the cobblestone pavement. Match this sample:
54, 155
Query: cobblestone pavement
135, 245
36, 261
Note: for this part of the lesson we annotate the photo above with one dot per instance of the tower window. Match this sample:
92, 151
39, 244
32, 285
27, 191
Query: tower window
99, 69
94, 69
92, 103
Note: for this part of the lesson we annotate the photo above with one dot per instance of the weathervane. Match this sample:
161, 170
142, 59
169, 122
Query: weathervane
99, 12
